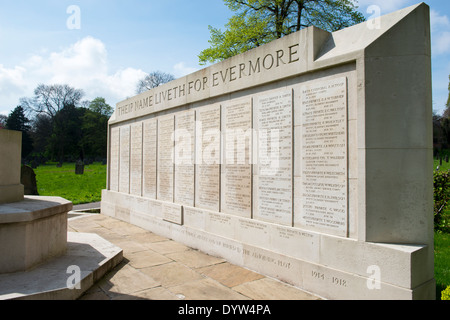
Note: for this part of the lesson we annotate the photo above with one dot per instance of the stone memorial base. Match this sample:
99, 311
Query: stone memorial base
12, 193
314, 262
49, 281
32, 231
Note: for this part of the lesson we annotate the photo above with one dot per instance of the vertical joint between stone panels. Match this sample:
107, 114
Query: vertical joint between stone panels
348, 162
194, 202
222, 155
129, 160
119, 162
156, 156
293, 157
142, 158
174, 161
251, 159
108, 155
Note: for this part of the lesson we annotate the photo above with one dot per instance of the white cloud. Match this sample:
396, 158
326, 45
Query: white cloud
386, 6
440, 25
11, 81
83, 65
438, 21
181, 70
441, 43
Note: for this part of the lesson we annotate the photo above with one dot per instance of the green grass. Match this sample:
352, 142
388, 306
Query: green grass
442, 262
63, 182
445, 166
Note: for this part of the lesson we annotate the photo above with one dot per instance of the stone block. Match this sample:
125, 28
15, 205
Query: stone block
32, 231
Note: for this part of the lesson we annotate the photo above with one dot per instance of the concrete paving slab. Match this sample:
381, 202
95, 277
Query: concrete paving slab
157, 268
172, 274
230, 275
207, 289
270, 289
195, 259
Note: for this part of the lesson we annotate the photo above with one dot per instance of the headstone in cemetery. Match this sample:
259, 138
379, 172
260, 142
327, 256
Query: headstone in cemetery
79, 167
28, 179
307, 159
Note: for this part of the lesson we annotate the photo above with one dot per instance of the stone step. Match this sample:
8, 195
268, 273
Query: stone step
89, 257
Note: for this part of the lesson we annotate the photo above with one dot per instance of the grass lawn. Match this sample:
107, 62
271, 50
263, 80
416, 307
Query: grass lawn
63, 182
442, 262
445, 166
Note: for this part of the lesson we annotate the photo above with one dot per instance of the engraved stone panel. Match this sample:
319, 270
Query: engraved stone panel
207, 194
172, 213
114, 160
124, 176
166, 129
149, 155
274, 120
136, 159
185, 157
324, 187
236, 190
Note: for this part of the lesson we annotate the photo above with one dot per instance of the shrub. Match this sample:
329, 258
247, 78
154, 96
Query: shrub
446, 294
441, 198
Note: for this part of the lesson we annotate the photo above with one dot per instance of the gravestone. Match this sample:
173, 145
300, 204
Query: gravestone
306, 159
28, 179
79, 167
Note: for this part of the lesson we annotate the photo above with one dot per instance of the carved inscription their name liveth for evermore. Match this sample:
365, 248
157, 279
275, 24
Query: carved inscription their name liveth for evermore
290, 160
239, 72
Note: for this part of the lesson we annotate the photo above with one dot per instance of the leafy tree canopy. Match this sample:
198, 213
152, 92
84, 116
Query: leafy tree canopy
257, 22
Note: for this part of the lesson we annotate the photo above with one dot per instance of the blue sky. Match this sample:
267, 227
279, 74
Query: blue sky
118, 42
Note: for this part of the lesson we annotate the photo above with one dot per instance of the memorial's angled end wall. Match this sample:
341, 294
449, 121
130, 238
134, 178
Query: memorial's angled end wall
306, 159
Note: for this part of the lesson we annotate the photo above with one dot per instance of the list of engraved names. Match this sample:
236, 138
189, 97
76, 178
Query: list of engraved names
324, 187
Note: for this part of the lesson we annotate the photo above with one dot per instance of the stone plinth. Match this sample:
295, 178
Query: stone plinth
10, 149
32, 231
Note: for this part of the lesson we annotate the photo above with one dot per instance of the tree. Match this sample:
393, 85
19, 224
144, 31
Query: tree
3, 119
260, 21
99, 105
51, 99
95, 128
67, 133
41, 132
17, 121
153, 80
446, 113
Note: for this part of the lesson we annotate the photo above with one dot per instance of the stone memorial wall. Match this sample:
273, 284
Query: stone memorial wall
288, 160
